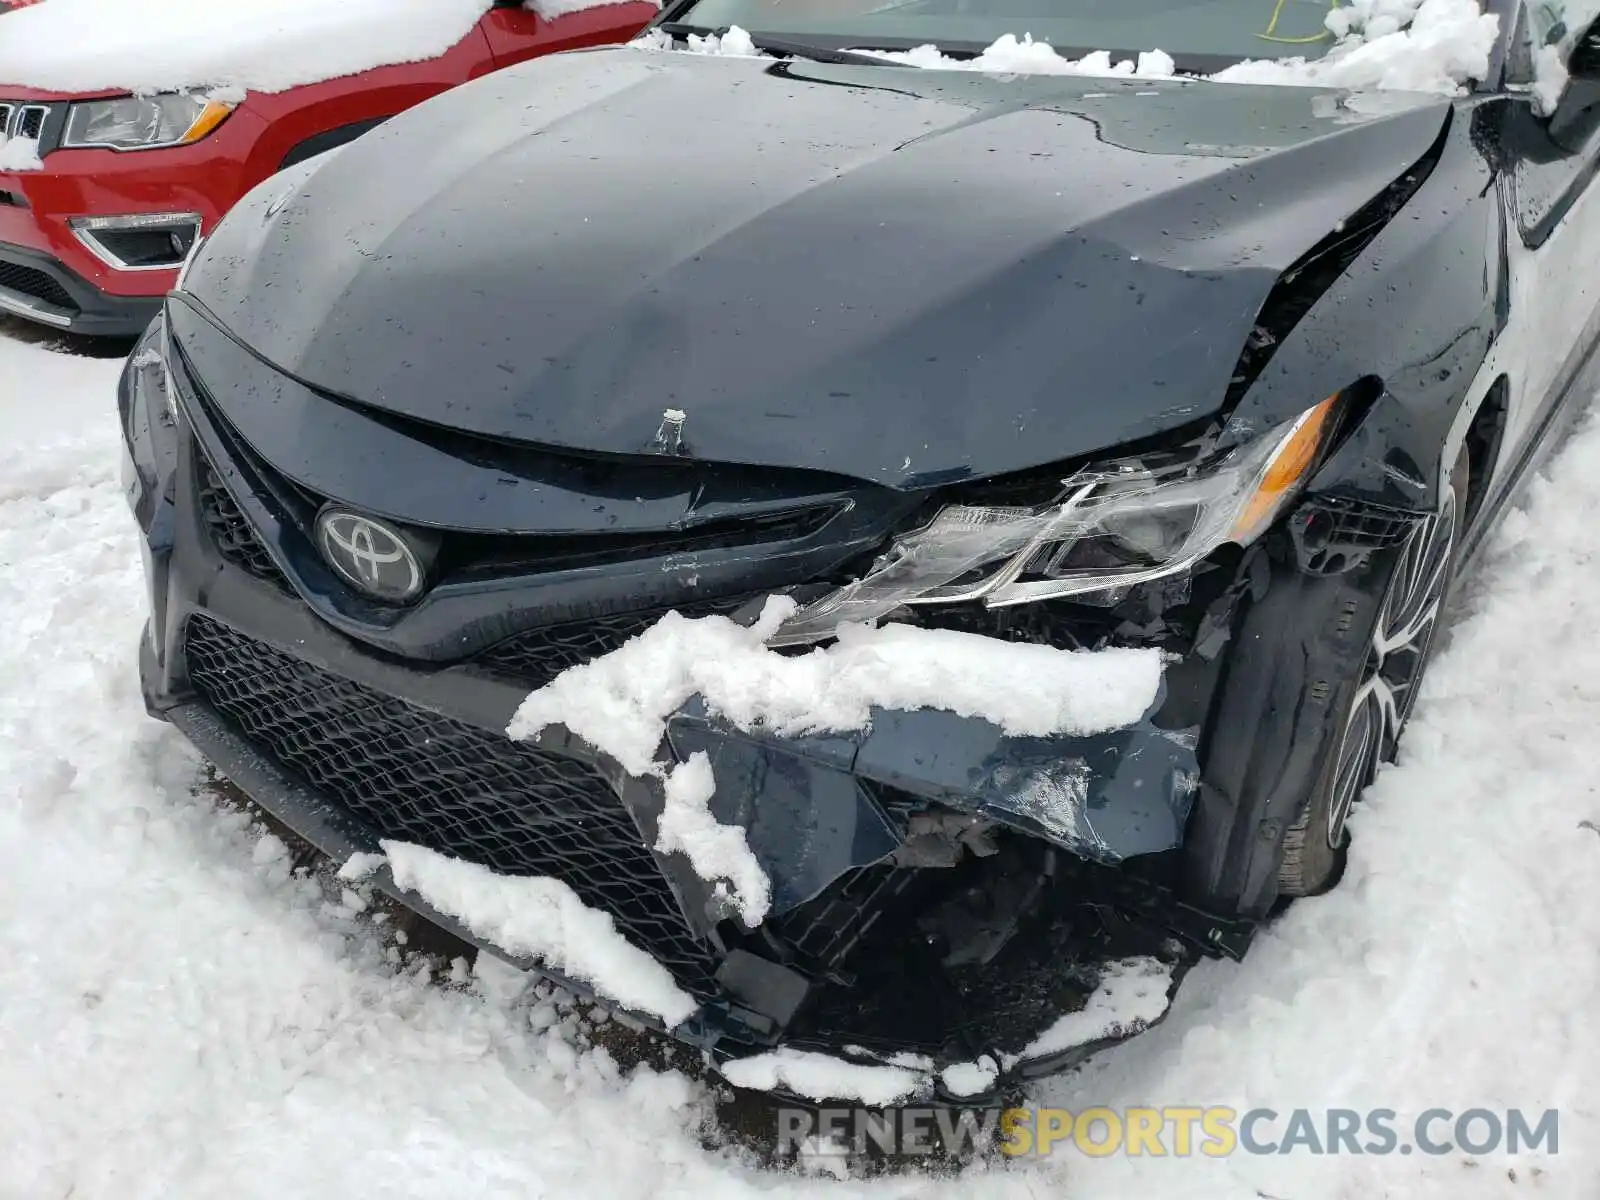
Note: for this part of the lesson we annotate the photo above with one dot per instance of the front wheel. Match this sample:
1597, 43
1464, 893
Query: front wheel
1381, 696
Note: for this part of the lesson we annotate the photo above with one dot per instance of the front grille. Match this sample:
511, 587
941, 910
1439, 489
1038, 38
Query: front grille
21, 118
539, 655
29, 122
35, 283
418, 777
235, 538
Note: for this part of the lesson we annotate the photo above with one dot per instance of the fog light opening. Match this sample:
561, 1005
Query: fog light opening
143, 242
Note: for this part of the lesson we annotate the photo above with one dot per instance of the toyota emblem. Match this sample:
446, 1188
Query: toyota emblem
370, 556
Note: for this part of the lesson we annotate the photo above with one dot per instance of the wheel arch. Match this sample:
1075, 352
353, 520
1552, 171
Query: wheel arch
329, 139
1485, 439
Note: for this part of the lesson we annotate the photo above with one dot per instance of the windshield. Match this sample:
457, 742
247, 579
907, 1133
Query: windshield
1187, 29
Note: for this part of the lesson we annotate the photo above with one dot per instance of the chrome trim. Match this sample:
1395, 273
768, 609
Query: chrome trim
20, 119
86, 228
26, 306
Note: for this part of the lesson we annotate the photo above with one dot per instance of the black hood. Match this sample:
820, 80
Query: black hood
899, 275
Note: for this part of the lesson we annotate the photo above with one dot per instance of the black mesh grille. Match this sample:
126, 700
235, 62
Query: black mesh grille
539, 655
418, 777
235, 537
35, 283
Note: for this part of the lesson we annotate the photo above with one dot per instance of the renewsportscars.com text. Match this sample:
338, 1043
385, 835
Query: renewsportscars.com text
1172, 1131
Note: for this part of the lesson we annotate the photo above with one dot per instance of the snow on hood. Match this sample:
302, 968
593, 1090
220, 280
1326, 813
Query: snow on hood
265, 45
541, 918
620, 703
1406, 45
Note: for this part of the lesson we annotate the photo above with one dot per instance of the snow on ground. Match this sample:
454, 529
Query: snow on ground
266, 45
180, 1018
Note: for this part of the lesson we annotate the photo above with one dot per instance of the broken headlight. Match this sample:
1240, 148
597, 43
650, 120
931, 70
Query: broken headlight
1113, 526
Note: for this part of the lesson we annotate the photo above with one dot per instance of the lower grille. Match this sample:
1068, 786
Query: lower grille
826, 929
537, 656
415, 776
32, 282
236, 539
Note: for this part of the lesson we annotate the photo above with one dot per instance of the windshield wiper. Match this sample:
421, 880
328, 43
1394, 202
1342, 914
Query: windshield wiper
789, 47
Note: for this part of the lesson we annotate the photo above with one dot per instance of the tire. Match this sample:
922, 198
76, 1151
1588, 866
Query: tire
1400, 638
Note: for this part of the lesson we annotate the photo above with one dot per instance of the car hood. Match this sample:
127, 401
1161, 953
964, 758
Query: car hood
903, 276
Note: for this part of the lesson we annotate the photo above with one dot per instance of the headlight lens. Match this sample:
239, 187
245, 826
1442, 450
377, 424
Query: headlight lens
142, 122
151, 378
1116, 526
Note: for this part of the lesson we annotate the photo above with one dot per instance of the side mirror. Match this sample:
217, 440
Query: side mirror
1577, 113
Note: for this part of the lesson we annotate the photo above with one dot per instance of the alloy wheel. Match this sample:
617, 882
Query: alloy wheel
1401, 636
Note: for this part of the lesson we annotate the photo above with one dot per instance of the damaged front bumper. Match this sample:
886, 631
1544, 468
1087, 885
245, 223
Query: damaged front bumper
943, 893
913, 919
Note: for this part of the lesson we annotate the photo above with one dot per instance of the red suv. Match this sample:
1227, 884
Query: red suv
103, 194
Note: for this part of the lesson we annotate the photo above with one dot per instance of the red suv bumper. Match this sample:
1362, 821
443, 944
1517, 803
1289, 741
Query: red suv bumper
61, 274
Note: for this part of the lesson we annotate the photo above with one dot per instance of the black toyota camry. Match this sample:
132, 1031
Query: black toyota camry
1239, 373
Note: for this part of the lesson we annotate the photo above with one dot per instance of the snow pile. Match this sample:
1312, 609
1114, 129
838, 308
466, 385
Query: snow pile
735, 43
716, 851
541, 918
969, 1079
1549, 78
824, 1077
1131, 995
1408, 45
1011, 55
620, 702
265, 45
1550, 61
360, 865
19, 154
1399, 45
1404, 45
652, 39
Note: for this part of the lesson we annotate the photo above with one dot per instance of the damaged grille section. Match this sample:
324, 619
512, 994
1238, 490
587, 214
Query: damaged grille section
827, 929
974, 959
235, 538
537, 656
415, 776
